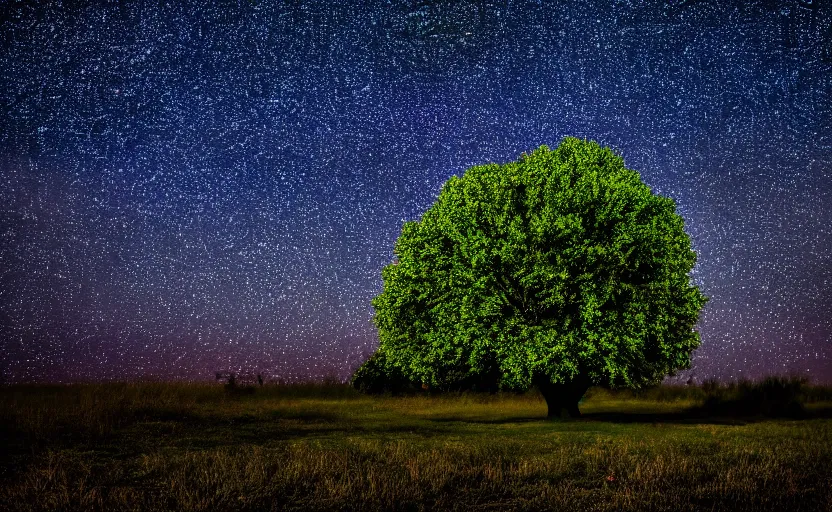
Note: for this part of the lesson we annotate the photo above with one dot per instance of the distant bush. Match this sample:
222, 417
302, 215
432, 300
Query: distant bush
772, 396
660, 393
233, 388
818, 394
375, 376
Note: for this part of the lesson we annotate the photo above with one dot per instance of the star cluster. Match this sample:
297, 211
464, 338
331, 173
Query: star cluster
186, 189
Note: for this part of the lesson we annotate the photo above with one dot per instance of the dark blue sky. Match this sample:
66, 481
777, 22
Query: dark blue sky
189, 189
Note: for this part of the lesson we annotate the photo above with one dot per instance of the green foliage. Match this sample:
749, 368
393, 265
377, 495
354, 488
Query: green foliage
562, 264
377, 376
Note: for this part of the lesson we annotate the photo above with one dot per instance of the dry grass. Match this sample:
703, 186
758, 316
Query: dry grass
194, 447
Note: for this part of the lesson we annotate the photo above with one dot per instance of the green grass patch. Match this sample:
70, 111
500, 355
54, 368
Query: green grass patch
197, 447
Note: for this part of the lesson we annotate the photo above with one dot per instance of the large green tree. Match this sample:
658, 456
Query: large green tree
560, 270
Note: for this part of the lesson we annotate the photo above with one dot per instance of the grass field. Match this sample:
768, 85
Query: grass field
199, 447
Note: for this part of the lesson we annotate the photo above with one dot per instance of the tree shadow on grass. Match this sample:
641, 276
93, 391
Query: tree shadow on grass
703, 415
695, 416
608, 417
678, 418
489, 421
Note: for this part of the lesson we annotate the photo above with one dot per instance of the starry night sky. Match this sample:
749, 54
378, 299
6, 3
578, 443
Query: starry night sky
186, 189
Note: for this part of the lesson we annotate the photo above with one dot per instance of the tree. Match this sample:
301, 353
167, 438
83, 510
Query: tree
560, 270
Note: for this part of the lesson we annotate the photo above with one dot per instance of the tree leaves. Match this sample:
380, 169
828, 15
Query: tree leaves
562, 263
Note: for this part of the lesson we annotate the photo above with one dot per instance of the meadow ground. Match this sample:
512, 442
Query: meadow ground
198, 447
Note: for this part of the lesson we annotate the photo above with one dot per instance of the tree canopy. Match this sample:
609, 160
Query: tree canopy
561, 269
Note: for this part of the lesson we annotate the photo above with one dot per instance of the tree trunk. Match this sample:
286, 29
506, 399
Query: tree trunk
562, 399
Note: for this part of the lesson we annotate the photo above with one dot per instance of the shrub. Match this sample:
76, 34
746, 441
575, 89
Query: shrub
376, 376
773, 396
